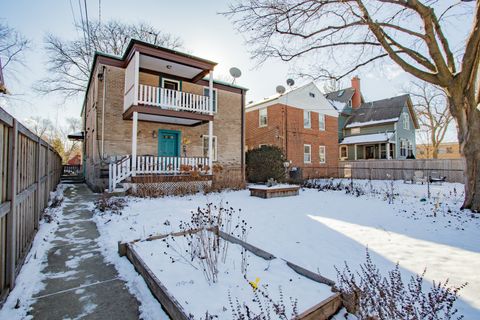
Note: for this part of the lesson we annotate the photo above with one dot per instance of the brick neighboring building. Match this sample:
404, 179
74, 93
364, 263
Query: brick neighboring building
302, 123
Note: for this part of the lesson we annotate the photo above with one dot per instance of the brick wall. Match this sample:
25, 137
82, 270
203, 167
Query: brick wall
289, 118
227, 126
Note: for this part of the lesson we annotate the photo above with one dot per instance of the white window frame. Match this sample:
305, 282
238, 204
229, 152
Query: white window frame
355, 130
320, 148
307, 125
309, 153
403, 145
346, 152
260, 125
171, 80
205, 145
215, 92
406, 121
409, 147
320, 126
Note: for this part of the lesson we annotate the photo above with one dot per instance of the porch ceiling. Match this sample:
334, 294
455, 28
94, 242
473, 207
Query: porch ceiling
169, 67
154, 114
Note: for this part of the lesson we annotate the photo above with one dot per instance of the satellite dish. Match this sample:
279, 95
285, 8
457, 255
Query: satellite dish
280, 89
290, 82
235, 73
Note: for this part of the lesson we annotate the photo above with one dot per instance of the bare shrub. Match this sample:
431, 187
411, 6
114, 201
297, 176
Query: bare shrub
205, 248
109, 203
370, 295
265, 306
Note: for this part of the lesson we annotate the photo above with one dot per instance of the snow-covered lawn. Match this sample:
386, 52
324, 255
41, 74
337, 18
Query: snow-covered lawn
321, 229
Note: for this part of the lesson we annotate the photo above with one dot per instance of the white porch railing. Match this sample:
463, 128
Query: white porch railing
119, 171
172, 99
170, 165
123, 169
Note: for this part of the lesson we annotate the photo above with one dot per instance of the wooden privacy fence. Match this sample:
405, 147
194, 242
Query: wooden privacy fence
452, 169
29, 170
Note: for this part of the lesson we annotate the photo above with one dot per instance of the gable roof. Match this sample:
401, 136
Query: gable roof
381, 111
343, 95
307, 97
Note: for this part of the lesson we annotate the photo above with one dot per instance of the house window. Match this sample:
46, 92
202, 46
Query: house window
263, 118
343, 152
322, 154
171, 84
392, 150
321, 122
307, 119
410, 148
355, 130
406, 121
383, 151
403, 148
307, 153
206, 93
262, 145
205, 147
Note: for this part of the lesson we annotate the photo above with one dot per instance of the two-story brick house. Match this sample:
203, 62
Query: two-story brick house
158, 112
381, 129
302, 123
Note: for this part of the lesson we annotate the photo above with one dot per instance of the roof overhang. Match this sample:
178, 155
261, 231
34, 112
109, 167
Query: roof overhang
368, 138
76, 136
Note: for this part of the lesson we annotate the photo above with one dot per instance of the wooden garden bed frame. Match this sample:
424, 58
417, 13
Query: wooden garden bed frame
321, 311
275, 192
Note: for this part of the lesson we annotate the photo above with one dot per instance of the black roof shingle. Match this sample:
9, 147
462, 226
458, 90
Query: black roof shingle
379, 110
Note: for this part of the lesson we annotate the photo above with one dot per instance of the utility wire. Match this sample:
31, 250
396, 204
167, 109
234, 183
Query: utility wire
88, 26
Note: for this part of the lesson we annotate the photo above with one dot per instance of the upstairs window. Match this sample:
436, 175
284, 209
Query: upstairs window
307, 119
307, 153
406, 121
263, 117
206, 93
171, 84
321, 122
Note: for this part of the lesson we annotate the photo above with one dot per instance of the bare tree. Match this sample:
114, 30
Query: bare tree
431, 105
70, 148
346, 35
12, 46
69, 60
42, 127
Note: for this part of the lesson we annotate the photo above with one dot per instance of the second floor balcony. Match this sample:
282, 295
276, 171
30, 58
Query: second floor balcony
172, 99
167, 102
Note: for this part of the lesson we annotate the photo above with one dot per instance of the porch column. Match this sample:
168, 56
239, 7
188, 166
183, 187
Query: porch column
379, 151
355, 151
210, 123
134, 142
388, 150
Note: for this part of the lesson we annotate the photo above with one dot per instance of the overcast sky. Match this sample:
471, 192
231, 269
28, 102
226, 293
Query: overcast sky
204, 32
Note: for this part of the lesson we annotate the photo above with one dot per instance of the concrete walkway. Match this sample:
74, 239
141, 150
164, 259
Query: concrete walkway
79, 284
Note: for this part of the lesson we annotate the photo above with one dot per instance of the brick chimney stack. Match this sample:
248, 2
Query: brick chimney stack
357, 96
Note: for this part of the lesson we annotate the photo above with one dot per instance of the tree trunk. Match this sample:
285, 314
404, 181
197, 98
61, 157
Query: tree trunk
468, 124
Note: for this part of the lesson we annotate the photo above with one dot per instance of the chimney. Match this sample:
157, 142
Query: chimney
357, 96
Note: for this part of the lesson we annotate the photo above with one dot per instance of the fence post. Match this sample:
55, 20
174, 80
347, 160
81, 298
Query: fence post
11, 217
37, 205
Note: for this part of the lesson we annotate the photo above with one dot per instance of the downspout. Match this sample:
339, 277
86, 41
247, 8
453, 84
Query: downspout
243, 136
104, 72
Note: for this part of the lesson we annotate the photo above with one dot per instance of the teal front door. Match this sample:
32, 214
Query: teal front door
168, 143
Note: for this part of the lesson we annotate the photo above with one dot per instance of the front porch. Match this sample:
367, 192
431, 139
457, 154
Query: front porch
368, 147
155, 169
